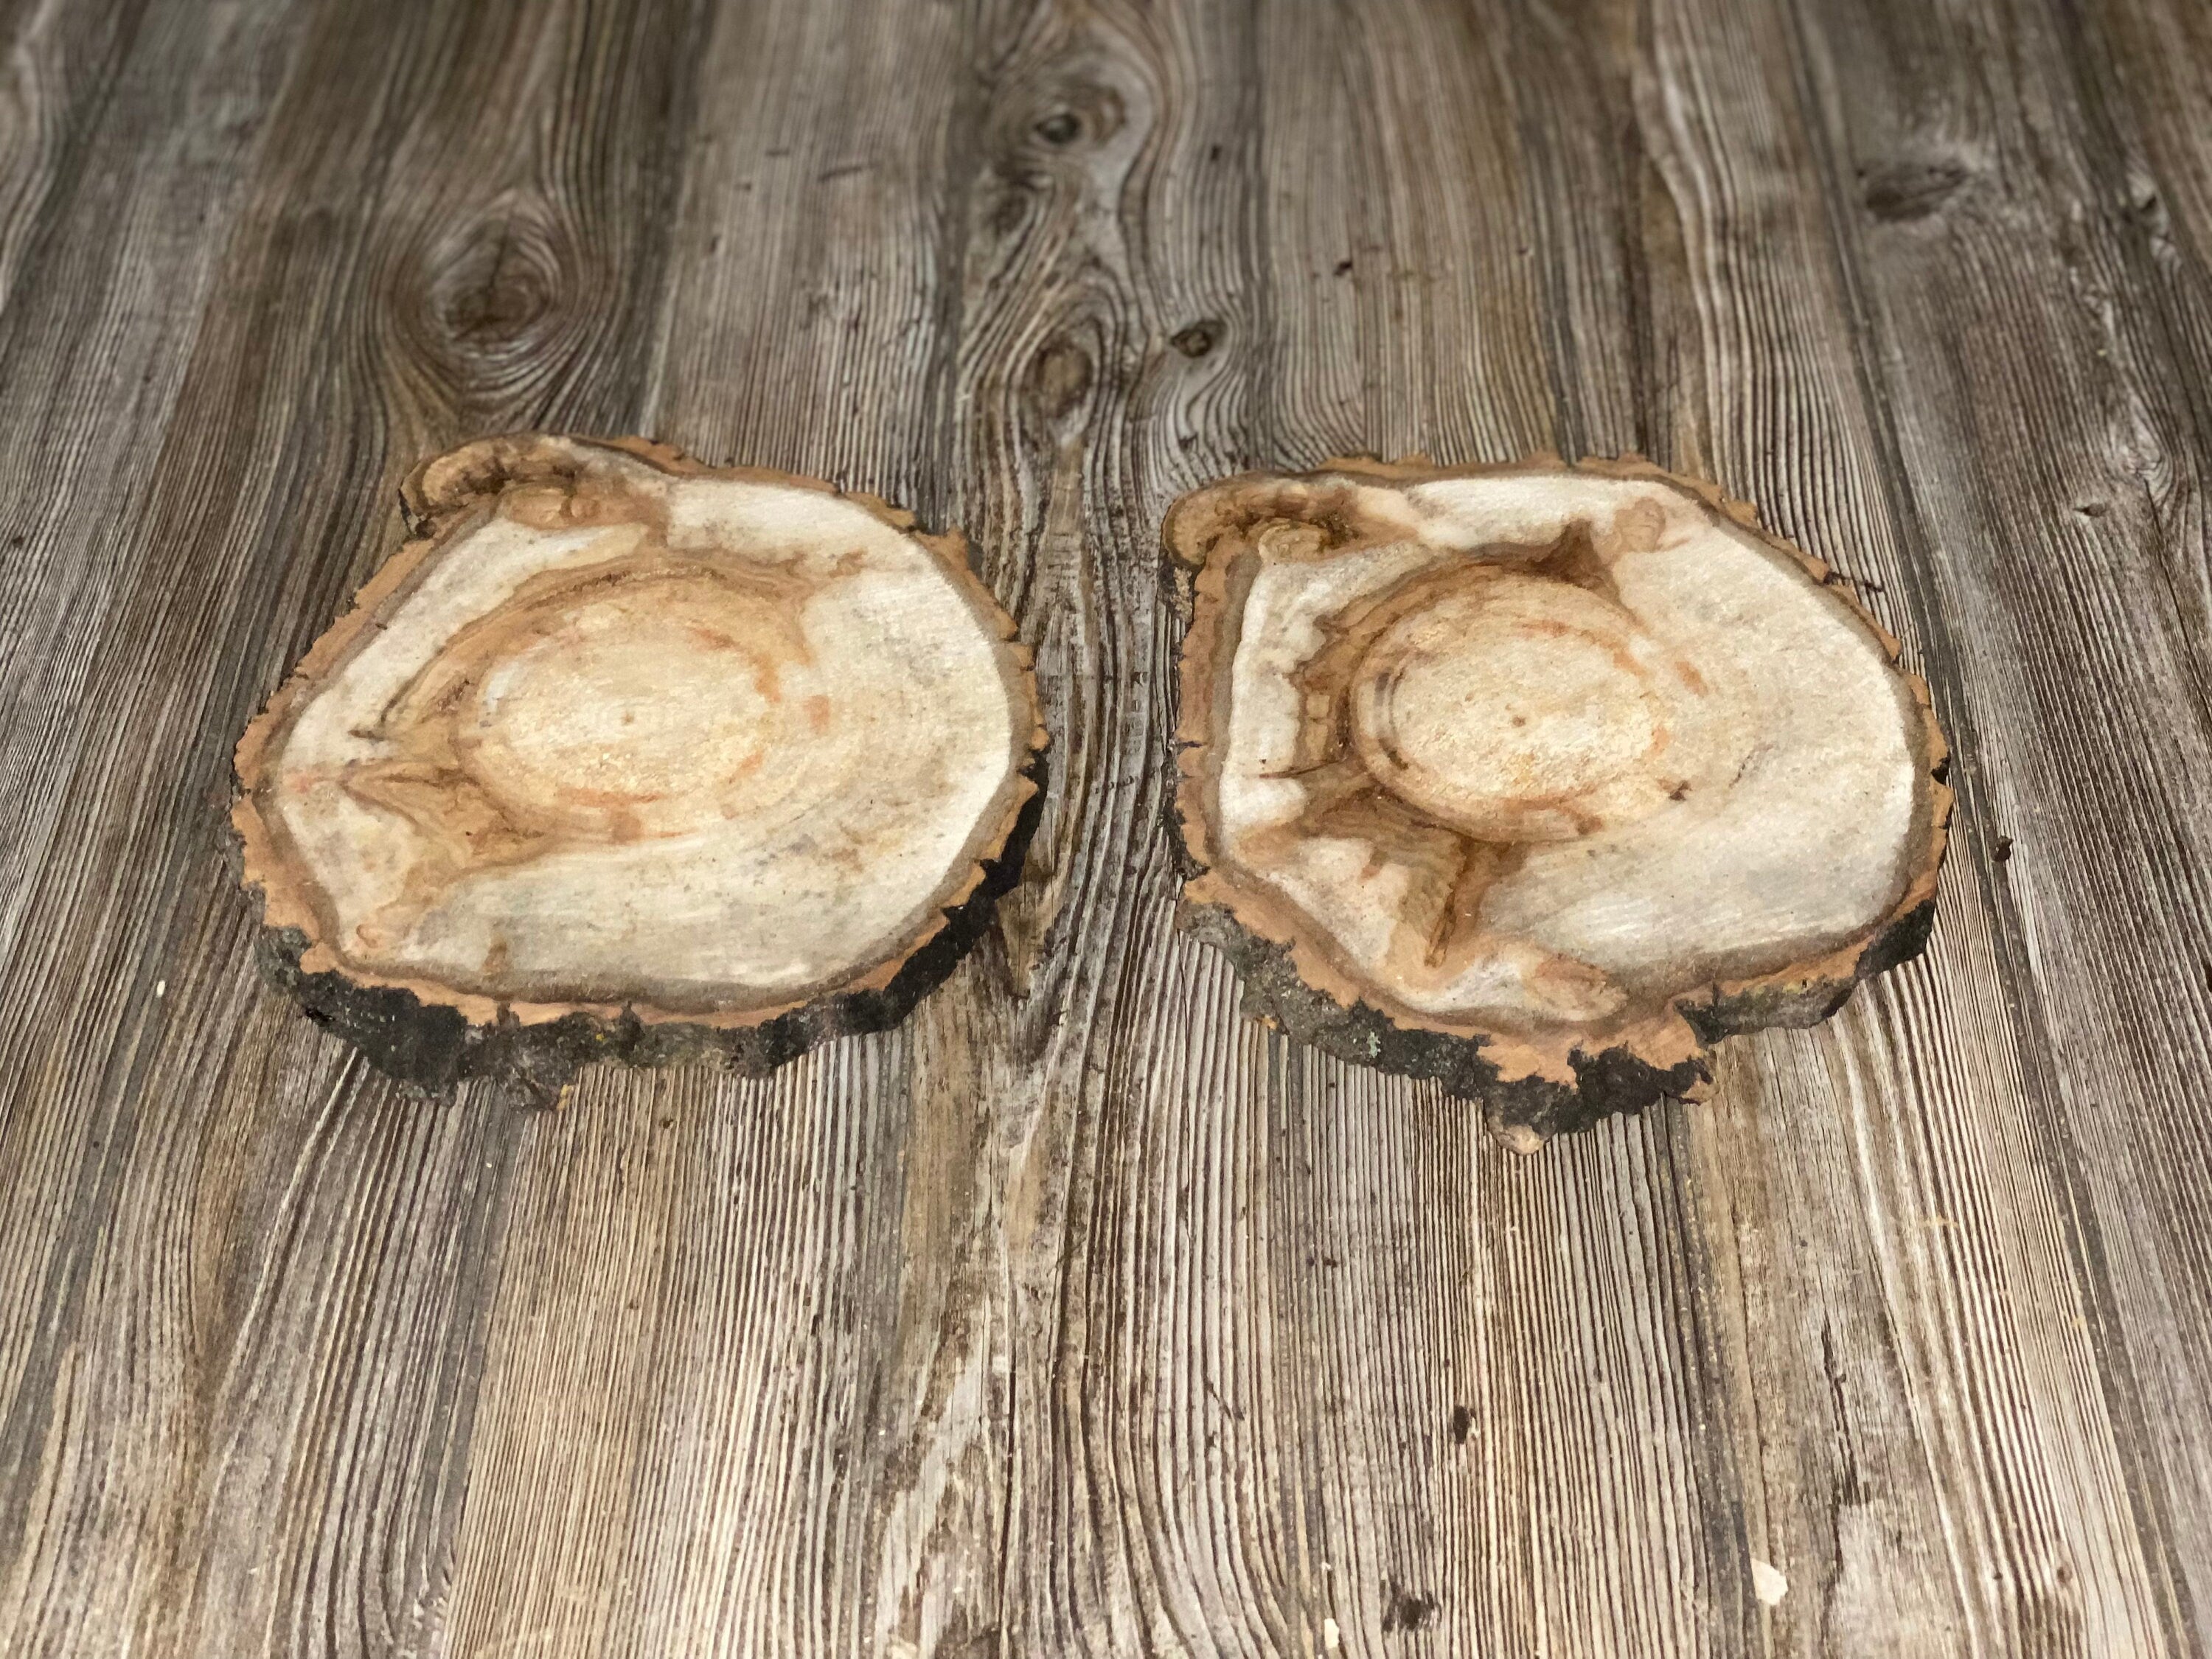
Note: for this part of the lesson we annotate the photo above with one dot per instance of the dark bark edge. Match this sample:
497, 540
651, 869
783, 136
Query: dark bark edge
1615, 1080
435, 1047
1609, 1082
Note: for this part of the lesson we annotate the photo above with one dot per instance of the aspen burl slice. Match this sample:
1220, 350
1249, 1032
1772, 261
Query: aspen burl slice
628, 756
1539, 779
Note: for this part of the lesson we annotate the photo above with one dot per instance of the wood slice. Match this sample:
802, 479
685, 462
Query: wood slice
1540, 779
624, 755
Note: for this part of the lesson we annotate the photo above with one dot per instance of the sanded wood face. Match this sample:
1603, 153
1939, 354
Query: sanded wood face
624, 732
1531, 754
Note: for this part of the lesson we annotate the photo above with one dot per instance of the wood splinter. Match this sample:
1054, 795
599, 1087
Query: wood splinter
1538, 780
627, 756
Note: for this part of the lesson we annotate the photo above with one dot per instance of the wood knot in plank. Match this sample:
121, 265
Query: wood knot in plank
492, 287
1083, 113
1060, 379
1914, 187
1199, 338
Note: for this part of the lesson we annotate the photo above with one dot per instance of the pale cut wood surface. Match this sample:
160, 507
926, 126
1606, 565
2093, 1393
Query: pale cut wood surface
1079, 1315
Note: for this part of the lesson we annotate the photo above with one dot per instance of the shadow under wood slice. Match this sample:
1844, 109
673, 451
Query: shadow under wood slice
1537, 780
624, 757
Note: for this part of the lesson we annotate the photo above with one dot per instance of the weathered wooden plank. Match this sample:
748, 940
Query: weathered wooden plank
1709, 329
1396, 237
249, 1360
2045, 425
1108, 302
1964, 1497
116, 174
1483, 1416
102, 288
750, 1298
63, 63
2153, 68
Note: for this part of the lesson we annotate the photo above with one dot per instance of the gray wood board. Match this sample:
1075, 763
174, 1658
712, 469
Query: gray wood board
1081, 1315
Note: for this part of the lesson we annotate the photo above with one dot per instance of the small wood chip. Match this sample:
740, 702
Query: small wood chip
1767, 1583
